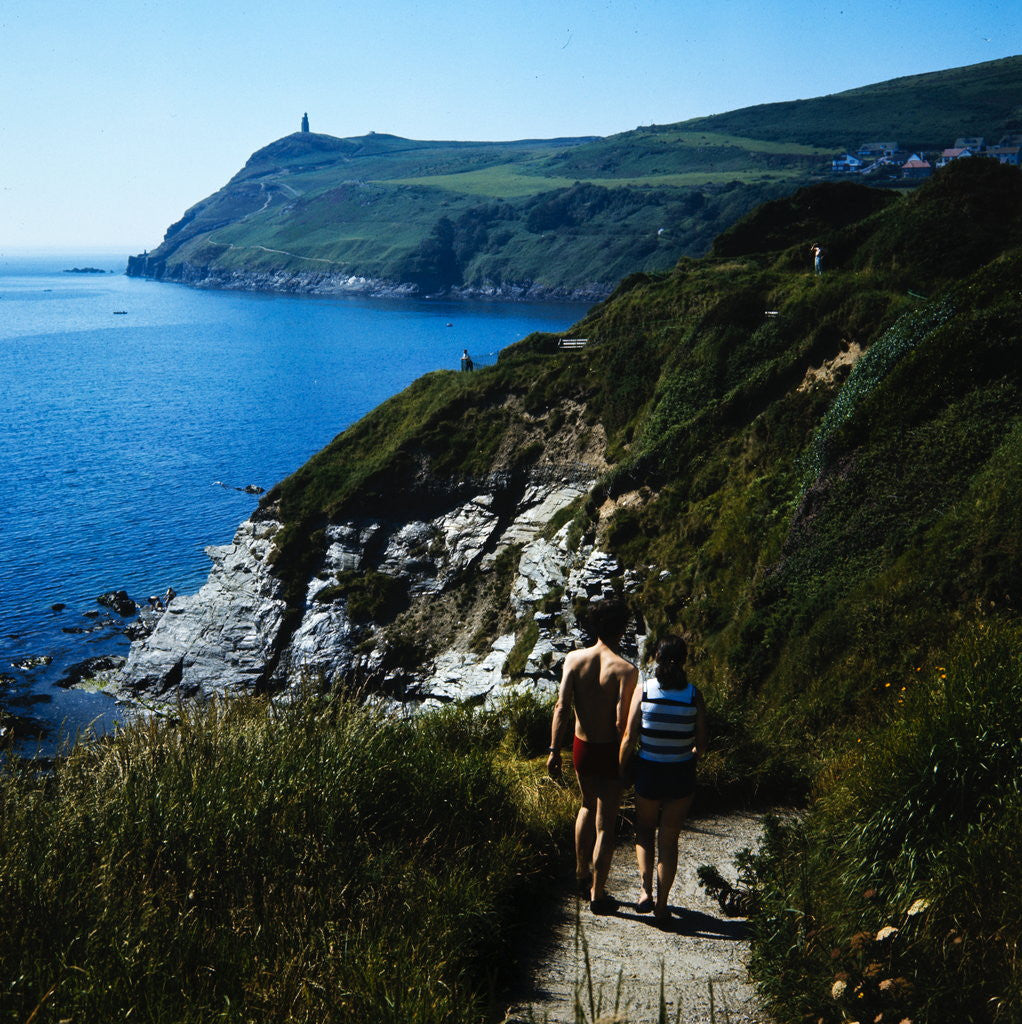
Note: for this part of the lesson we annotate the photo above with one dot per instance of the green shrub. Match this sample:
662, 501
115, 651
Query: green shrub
915, 828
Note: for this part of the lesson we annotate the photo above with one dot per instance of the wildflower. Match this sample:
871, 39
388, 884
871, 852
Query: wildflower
837, 990
860, 940
897, 987
886, 933
918, 907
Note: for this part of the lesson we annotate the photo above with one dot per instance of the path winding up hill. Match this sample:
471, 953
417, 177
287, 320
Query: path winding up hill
702, 957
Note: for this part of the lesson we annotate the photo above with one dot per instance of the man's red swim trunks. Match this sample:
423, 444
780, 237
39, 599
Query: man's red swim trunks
599, 759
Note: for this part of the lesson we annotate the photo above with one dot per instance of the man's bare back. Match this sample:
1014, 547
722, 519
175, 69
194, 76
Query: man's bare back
599, 684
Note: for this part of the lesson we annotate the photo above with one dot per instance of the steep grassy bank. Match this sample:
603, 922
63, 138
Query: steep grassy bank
254, 863
812, 514
817, 479
896, 895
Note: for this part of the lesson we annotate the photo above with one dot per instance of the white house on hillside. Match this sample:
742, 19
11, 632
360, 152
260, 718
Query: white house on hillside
916, 167
847, 163
1005, 154
953, 153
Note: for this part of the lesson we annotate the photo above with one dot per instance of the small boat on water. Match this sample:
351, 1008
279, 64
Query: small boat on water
120, 312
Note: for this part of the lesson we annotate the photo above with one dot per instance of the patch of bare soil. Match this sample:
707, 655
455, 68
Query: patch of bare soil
613, 964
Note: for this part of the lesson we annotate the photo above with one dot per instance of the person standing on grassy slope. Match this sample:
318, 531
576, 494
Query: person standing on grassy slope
816, 251
597, 682
667, 720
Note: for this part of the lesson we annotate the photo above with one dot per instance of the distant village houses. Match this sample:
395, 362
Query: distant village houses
887, 160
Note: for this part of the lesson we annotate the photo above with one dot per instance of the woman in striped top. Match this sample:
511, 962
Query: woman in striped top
668, 722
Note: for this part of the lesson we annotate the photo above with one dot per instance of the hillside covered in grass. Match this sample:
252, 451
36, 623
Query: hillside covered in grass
558, 217
318, 863
817, 479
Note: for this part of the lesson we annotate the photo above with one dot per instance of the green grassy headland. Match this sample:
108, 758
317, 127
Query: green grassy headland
558, 215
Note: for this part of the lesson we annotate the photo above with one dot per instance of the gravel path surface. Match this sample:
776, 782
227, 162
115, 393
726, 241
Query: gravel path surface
701, 958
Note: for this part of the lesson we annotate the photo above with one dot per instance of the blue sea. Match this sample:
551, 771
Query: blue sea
130, 410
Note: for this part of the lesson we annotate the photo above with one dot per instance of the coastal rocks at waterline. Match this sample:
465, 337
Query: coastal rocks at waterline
237, 636
221, 639
95, 670
118, 601
290, 281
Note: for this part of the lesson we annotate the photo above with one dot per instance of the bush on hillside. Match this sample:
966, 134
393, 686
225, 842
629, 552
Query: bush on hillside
896, 895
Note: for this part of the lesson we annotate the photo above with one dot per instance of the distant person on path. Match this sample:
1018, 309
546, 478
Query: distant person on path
668, 722
817, 253
466, 361
597, 683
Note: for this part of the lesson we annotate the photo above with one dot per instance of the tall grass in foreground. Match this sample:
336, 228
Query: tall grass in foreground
897, 896
318, 862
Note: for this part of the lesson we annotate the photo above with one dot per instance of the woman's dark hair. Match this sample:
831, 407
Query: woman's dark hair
671, 653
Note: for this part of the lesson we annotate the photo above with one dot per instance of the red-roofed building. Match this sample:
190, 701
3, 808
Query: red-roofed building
916, 167
955, 153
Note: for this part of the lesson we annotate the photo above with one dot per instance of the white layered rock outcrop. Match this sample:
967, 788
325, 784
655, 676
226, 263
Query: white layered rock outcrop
233, 636
222, 639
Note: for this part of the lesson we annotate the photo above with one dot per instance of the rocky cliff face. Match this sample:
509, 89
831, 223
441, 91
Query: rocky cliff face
485, 559
286, 281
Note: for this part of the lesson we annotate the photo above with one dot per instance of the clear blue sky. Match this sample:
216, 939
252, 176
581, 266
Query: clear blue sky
119, 115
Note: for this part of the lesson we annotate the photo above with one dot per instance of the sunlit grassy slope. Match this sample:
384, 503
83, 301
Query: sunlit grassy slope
557, 215
818, 480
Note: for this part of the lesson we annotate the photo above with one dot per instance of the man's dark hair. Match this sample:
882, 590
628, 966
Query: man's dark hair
608, 619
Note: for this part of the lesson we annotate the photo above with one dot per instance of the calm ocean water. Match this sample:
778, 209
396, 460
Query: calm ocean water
115, 425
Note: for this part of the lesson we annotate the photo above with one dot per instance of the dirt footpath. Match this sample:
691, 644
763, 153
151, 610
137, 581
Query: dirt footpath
701, 958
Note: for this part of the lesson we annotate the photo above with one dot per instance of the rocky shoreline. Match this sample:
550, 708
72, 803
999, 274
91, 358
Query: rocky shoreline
285, 281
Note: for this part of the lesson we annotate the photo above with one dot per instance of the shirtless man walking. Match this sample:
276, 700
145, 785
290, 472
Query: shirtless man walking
597, 682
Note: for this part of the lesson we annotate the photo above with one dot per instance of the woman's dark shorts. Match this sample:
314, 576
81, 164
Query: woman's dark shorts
659, 780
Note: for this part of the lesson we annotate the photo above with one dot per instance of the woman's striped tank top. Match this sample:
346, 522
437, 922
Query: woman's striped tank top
668, 722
